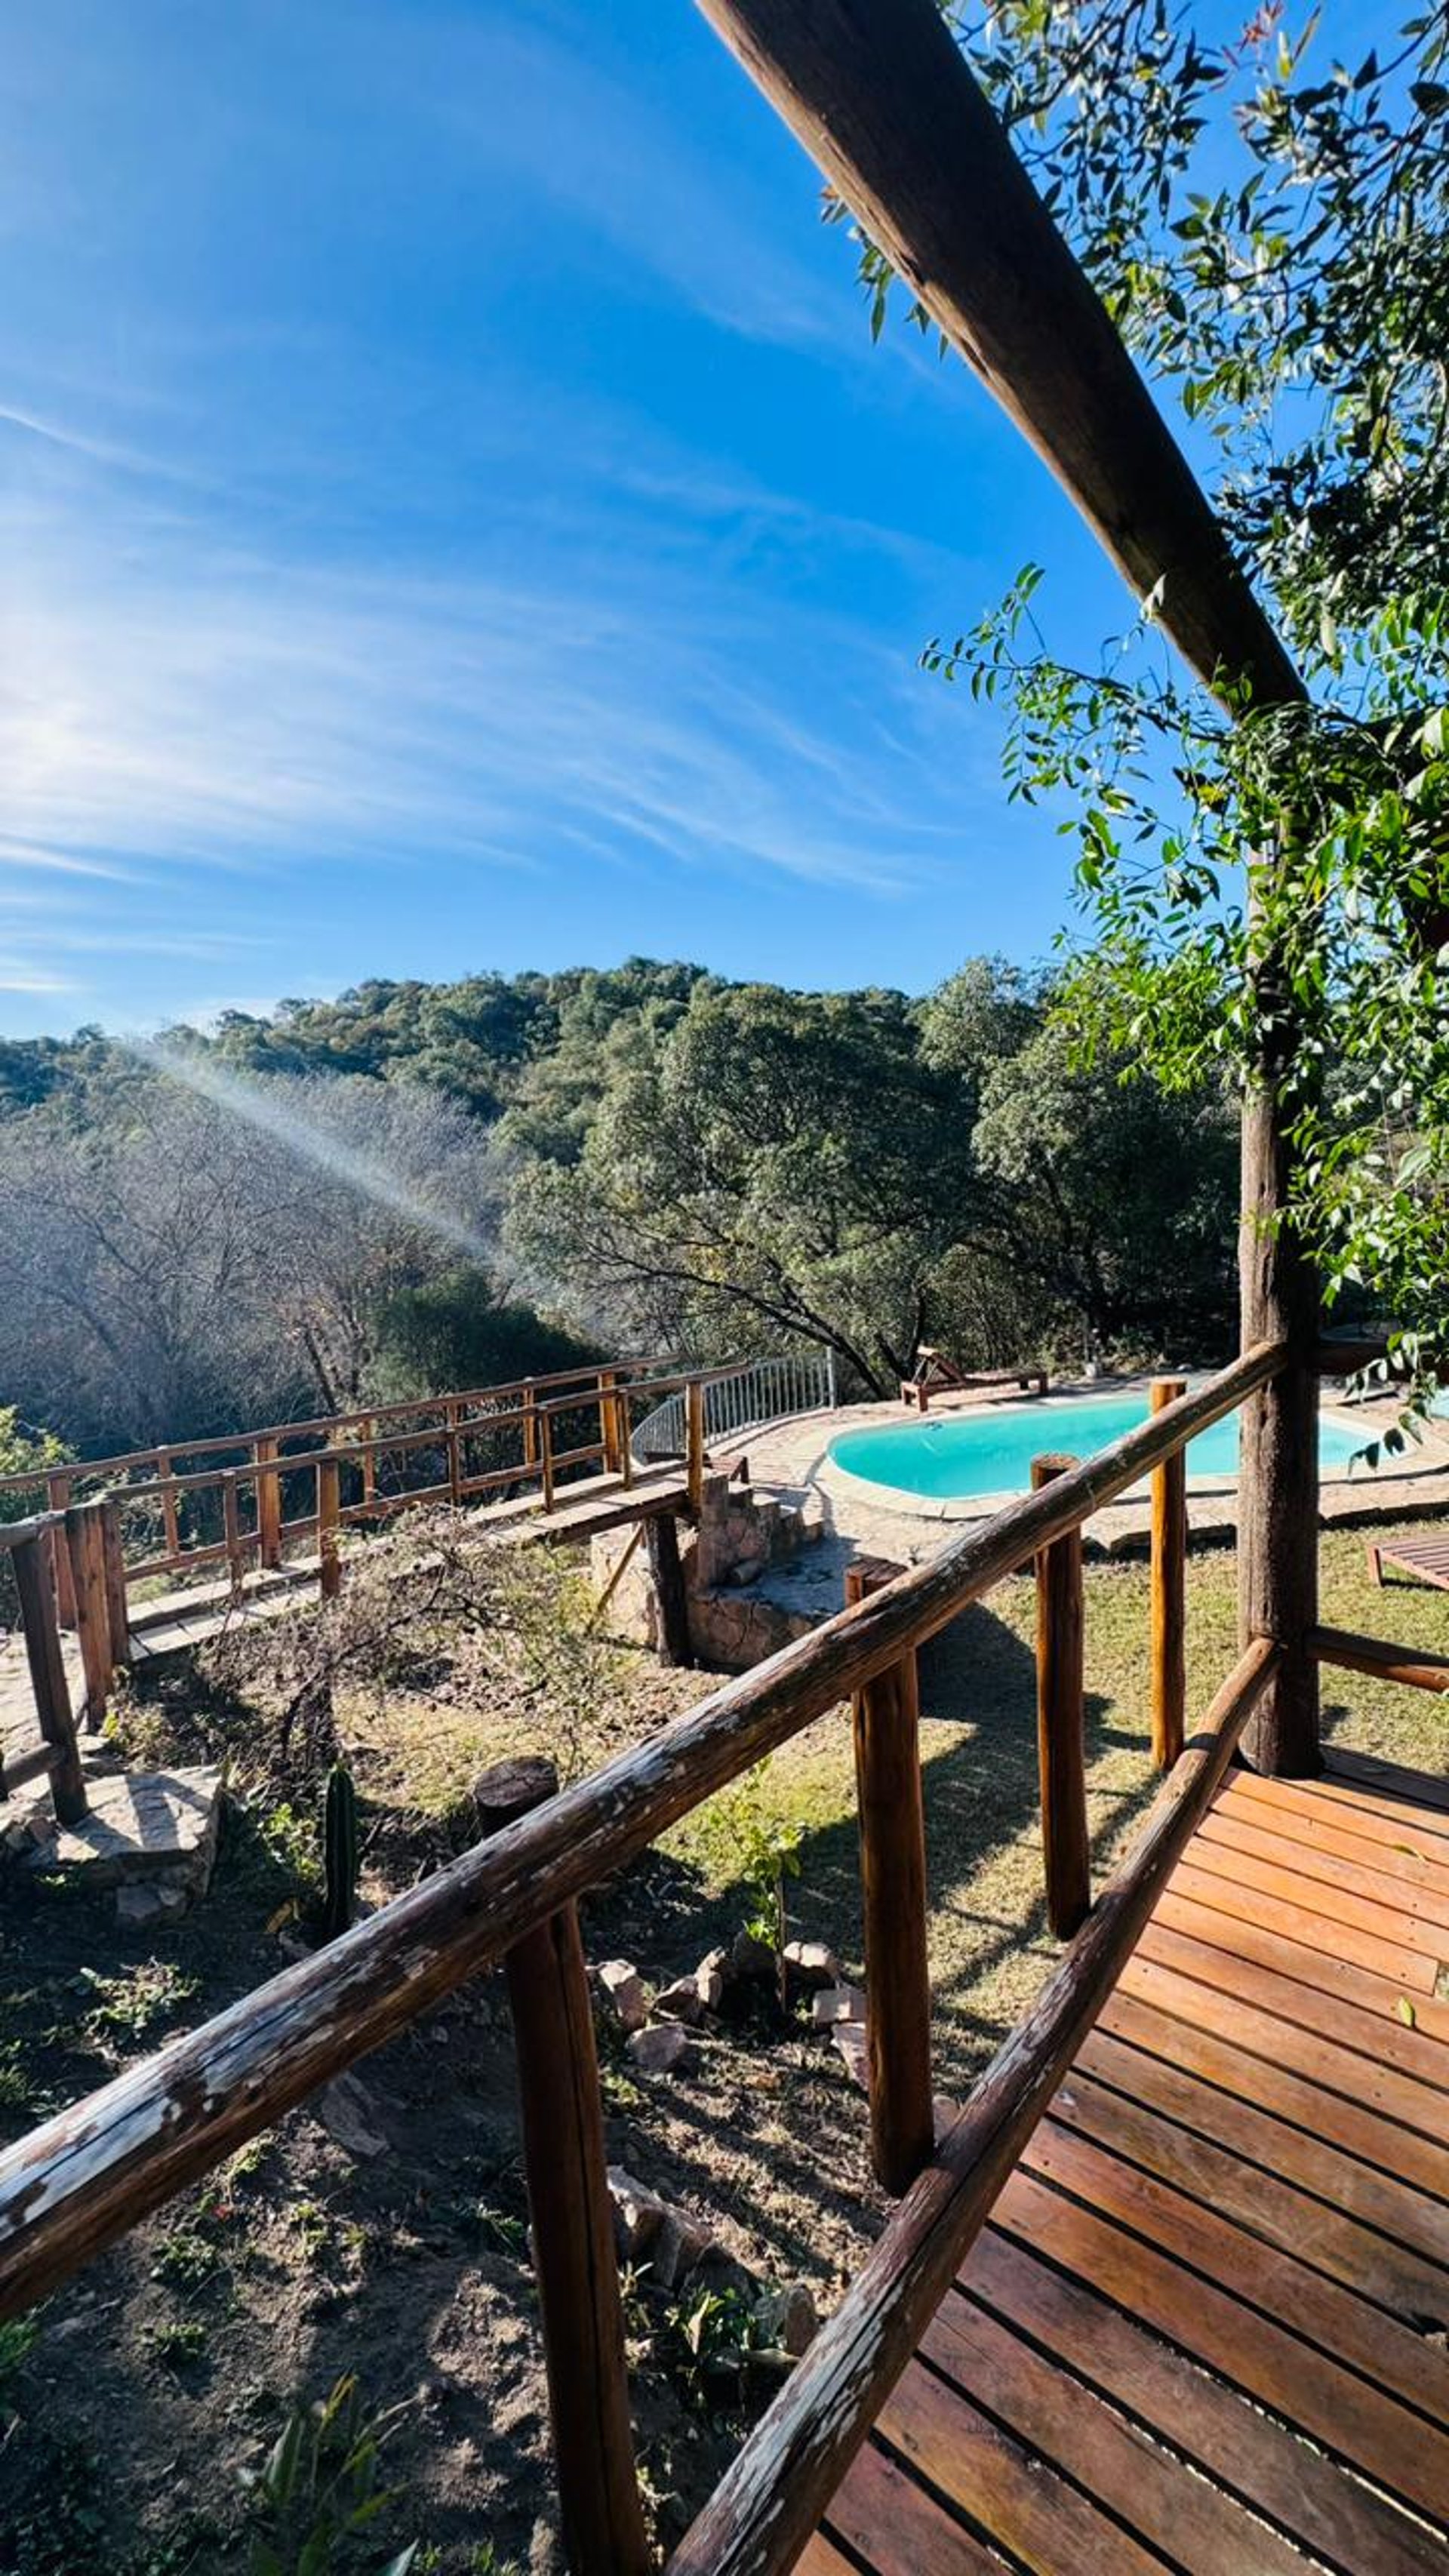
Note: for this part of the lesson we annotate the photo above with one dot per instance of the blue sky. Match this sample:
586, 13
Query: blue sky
454, 517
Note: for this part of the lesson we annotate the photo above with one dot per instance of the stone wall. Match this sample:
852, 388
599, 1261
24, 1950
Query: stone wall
726, 1561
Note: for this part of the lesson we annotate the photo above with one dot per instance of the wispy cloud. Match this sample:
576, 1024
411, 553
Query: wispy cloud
223, 710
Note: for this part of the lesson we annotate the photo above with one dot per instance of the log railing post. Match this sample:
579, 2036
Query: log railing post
43, 1654
231, 1530
671, 1595
329, 1508
1060, 1720
113, 1560
886, 1728
694, 1442
608, 1421
57, 1494
530, 1426
85, 1549
269, 1502
165, 1472
455, 1459
1169, 1589
573, 2227
545, 1453
623, 1448
367, 1442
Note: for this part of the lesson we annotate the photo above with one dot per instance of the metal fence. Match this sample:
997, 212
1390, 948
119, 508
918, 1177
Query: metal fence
757, 1391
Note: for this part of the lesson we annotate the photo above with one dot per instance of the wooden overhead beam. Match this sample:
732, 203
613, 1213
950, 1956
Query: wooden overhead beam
886, 105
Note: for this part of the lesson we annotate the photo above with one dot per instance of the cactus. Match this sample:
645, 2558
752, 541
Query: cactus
339, 1852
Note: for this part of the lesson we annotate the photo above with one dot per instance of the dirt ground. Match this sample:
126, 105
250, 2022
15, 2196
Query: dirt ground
134, 2402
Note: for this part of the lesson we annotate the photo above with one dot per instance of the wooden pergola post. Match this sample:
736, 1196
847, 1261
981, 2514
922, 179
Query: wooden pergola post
1278, 1455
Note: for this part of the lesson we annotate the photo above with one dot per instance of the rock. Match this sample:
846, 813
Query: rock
345, 2110
709, 1979
141, 1826
786, 2315
139, 1906
749, 1956
659, 2047
650, 2230
837, 2003
622, 1989
848, 2039
811, 1964
679, 2002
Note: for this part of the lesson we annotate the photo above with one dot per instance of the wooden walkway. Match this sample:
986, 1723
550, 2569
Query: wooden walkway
194, 1613
1206, 2328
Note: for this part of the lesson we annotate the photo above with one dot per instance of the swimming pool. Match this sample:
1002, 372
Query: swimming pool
990, 1452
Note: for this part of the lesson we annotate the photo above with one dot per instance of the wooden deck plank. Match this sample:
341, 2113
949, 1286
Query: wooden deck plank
1374, 2142
1347, 1810
1207, 2325
1406, 1857
818, 2558
1343, 2002
1263, 2202
1383, 2036
1036, 2517
893, 2526
1334, 1900
1194, 2525
1422, 1898
1221, 1891
1384, 1779
1410, 2219
1307, 2496
1345, 2328
1255, 2353
1382, 2090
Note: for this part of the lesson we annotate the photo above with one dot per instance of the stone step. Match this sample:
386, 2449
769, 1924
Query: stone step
143, 1829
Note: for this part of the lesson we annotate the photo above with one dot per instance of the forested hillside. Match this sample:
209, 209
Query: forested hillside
419, 1185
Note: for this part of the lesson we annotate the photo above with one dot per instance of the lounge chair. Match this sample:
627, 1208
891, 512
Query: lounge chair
935, 1374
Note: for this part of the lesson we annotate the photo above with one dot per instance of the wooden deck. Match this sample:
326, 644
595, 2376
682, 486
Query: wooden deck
1206, 2328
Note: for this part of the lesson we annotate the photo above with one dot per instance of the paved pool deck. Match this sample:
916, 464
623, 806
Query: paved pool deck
792, 1459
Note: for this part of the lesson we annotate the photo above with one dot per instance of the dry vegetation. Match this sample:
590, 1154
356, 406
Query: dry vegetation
129, 2407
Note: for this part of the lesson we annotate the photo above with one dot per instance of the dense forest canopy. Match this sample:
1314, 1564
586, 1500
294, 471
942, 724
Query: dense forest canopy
422, 1185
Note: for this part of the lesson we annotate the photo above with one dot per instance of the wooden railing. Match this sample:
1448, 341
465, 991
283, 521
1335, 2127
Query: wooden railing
261, 1494
85, 2176
81, 1549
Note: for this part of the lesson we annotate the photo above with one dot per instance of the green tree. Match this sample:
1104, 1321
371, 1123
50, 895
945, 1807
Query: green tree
1269, 225
773, 1166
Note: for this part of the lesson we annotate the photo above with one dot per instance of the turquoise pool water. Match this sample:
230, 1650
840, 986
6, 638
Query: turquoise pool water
990, 1452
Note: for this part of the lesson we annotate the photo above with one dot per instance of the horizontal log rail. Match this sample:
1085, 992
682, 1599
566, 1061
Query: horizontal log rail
1407, 1664
774, 2493
84, 2177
